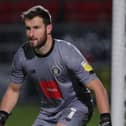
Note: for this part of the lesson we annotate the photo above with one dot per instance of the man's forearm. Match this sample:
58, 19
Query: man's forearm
103, 107
9, 100
102, 102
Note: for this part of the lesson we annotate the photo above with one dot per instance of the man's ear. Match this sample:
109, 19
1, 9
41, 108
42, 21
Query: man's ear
49, 28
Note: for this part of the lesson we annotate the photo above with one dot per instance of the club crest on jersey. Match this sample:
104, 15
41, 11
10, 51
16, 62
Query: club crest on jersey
56, 70
87, 67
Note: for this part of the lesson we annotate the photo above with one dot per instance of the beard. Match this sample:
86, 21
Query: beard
34, 43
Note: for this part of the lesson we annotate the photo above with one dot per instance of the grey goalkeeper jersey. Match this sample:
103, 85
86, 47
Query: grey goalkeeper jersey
52, 73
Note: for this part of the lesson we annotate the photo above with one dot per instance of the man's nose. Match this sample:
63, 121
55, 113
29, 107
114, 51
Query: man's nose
31, 33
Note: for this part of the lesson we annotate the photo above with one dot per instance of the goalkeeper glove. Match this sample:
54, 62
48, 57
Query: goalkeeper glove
105, 119
3, 117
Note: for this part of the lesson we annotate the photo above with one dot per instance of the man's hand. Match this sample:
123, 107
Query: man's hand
105, 119
3, 117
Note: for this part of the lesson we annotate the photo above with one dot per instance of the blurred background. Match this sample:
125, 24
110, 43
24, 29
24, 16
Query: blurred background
85, 23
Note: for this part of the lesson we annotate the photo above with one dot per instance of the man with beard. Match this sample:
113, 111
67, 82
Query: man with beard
60, 71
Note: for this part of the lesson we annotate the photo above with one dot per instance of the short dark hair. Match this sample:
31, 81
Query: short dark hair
37, 11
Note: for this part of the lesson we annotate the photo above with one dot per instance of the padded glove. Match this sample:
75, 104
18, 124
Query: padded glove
3, 117
105, 119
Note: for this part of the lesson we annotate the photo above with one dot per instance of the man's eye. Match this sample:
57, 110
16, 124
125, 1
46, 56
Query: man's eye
36, 27
27, 28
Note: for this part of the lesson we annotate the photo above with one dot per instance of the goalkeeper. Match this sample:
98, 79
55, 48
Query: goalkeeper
61, 74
